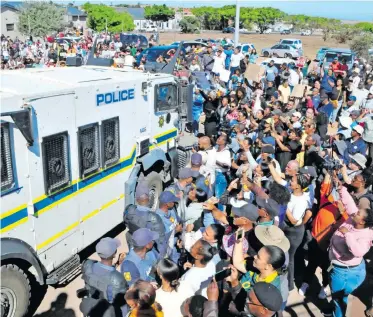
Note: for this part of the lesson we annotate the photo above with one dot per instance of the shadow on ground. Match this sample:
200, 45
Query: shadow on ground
58, 309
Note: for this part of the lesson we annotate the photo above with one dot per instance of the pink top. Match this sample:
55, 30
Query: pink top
349, 248
232, 116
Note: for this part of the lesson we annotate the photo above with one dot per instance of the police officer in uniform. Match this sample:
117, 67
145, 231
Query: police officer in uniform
200, 181
104, 285
141, 216
142, 258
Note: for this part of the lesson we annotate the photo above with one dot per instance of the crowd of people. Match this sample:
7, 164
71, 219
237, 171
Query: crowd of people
273, 180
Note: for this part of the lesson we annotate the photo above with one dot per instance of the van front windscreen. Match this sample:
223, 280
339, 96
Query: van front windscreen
341, 56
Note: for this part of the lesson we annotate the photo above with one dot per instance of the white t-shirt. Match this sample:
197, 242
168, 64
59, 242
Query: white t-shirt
298, 206
223, 157
293, 78
170, 302
129, 60
208, 164
235, 59
196, 280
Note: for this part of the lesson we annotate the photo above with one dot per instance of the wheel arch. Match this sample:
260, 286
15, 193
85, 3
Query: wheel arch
17, 251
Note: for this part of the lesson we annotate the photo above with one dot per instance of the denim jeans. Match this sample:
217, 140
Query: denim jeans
343, 281
335, 111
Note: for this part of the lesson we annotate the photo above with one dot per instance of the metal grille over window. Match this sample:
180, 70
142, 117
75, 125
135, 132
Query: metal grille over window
7, 176
110, 141
89, 153
56, 162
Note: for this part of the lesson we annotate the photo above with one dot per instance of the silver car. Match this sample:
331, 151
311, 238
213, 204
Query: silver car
282, 50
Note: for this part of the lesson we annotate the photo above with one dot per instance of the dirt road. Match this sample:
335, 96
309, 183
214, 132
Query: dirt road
311, 44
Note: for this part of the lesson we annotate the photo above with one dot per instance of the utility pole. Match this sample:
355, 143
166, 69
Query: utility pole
106, 25
237, 24
29, 26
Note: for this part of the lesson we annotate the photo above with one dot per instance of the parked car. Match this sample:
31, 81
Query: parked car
278, 61
294, 42
321, 53
134, 39
152, 53
187, 44
268, 31
306, 33
342, 54
244, 31
206, 41
281, 50
285, 32
228, 29
151, 28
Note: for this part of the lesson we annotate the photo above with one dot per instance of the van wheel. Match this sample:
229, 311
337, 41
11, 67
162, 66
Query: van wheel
155, 184
266, 54
15, 291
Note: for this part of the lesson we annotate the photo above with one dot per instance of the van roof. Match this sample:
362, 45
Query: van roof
291, 40
29, 82
339, 50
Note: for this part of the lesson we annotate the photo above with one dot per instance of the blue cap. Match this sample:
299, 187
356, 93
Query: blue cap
141, 237
142, 189
352, 98
185, 173
269, 140
196, 159
107, 247
275, 94
168, 197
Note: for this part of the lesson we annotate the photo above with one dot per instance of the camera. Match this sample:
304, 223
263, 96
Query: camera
331, 164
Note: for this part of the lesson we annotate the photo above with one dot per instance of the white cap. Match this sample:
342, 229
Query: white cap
297, 114
345, 121
359, 159
359, 129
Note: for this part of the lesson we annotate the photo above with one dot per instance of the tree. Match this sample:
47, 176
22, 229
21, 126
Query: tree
361, 45
264, 17
40, 19
364, 26
100, 16
189, 24
345, 33
328, 27
159, 13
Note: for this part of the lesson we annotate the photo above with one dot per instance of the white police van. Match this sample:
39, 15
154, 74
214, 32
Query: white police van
74, 143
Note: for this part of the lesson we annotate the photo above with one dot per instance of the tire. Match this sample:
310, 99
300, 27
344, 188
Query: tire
15, 282
287, 55
155, 184
275, 55
266, 54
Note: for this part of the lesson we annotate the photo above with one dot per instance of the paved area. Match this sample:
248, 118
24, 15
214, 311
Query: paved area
62, 302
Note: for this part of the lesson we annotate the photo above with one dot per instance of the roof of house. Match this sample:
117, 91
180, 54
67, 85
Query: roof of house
136, 13
15, 5
75, 11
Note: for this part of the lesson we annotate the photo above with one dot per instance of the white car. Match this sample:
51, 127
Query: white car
306, 33
278, 61
268, 31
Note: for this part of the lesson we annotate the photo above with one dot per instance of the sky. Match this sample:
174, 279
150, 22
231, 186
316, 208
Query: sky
338, 9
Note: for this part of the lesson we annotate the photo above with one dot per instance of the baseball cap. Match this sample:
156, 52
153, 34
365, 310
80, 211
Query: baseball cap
168, 197
268, 295
248, 211
352, 98
272, 235
268, 149
359, 129
310, 170
196, 159
185, 173
141, 237
355, 113
277, 112
107, 247
275, 94
335, 58
269, 140
269, 205
297, 114
142, 189
360, 159
345, 121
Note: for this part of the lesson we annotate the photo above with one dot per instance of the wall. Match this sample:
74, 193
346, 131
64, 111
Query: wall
77, 21
9, 16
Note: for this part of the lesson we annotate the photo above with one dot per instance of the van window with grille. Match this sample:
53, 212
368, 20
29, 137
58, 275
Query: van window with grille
89, 150
7, 176
56, 162
110, 142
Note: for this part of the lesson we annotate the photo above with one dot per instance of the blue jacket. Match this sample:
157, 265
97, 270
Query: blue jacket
359, 146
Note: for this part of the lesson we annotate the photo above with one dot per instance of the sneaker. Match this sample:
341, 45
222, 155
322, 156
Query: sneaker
303, 289
322, 293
